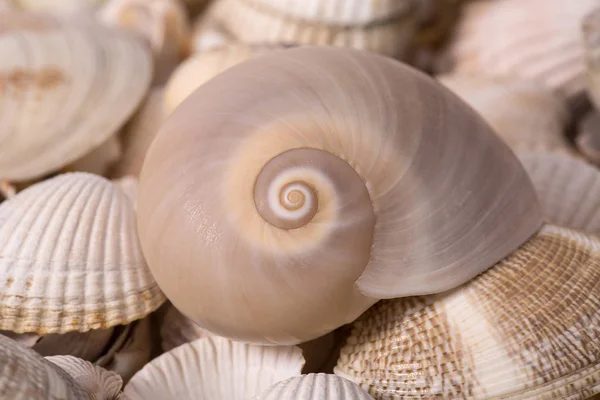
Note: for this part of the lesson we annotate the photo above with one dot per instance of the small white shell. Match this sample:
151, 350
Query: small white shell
315, 387
99, 160
177, 329
70, 258
99, 383
215, 368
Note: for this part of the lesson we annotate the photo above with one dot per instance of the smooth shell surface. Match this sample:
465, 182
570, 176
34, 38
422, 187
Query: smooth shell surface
369, 180
66, 86
315, 387
70, 258
215, 368
528, 328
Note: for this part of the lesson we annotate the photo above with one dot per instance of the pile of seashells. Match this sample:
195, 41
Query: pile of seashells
299, 199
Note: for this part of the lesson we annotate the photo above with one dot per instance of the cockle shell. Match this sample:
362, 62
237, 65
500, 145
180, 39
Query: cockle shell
528, 328
163, 22
76, 82
526, 115
370, 181
214, 368
530, 39
315, 387
568, 190
385, 27
588, 138
177, 329
98, 383
99, 160
70, 258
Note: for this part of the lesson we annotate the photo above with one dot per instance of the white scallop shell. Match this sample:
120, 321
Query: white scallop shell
70, 258
99, 160
177, 329
315, 387
76, 81
215, 368
98, 383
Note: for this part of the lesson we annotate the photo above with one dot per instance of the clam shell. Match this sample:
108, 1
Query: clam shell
177, 329
215, 368
315, 387
99, 160
528, 328
70, 258
98, 383
588, 138
76, 81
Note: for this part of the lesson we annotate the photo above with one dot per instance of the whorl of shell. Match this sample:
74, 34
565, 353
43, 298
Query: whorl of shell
98, 383
327, 178
588, 137
66, 86
315, 387
164, 23
24, 374
591, 40
528, 328
70, 258
529, 39
215, 368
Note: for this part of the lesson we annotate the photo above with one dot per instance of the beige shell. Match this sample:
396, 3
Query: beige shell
387, 29
99, 160
177, 329
591, 41
528, 328
529, 39
76, 81
588, 138
25, 375
526, 115
315, 387
413, 194
215, 368
128, 184
60, 6
164, 23
98, 383
70, 258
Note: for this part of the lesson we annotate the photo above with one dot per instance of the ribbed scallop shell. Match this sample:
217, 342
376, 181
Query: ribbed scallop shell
315, 387
67, 86
99, 160
526, 115
528, 328
177, 329
98, 383
588, 137
532, 39
70, 258
215, 368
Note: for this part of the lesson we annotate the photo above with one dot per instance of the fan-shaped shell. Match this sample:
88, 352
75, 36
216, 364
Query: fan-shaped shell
215, 368
177, 329
526, 115
99, 160
76, 82
588, 138
98, 383
315, 387
70, 258
530, 39
369, 181
528, 328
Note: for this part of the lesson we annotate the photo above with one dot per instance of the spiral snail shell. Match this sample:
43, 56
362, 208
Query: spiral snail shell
306, 184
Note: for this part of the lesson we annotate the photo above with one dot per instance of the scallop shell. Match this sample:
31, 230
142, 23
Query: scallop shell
385, 27
163, 22
99, 160
98, 383
78, 83
528, 328
60, 6
24, 374
215, 368
177, 329
70, 258
591, 42
387, 217
529, 39
315, 387
588, 138
526, 115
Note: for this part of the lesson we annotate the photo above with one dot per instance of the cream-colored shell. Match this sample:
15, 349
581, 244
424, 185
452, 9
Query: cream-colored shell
70, 258
315, 387
214, 368
98, 383
177, 329
528, 328
99, 160
68, 85
529, 39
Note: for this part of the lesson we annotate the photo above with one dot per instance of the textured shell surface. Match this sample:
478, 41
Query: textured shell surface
70, 259
77, 81
588, 137
528, 328
363, 172
215, 368
98, 383
25, 375
177, 329
534, 39
315, 387
568, 190
526, 115
100, 159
